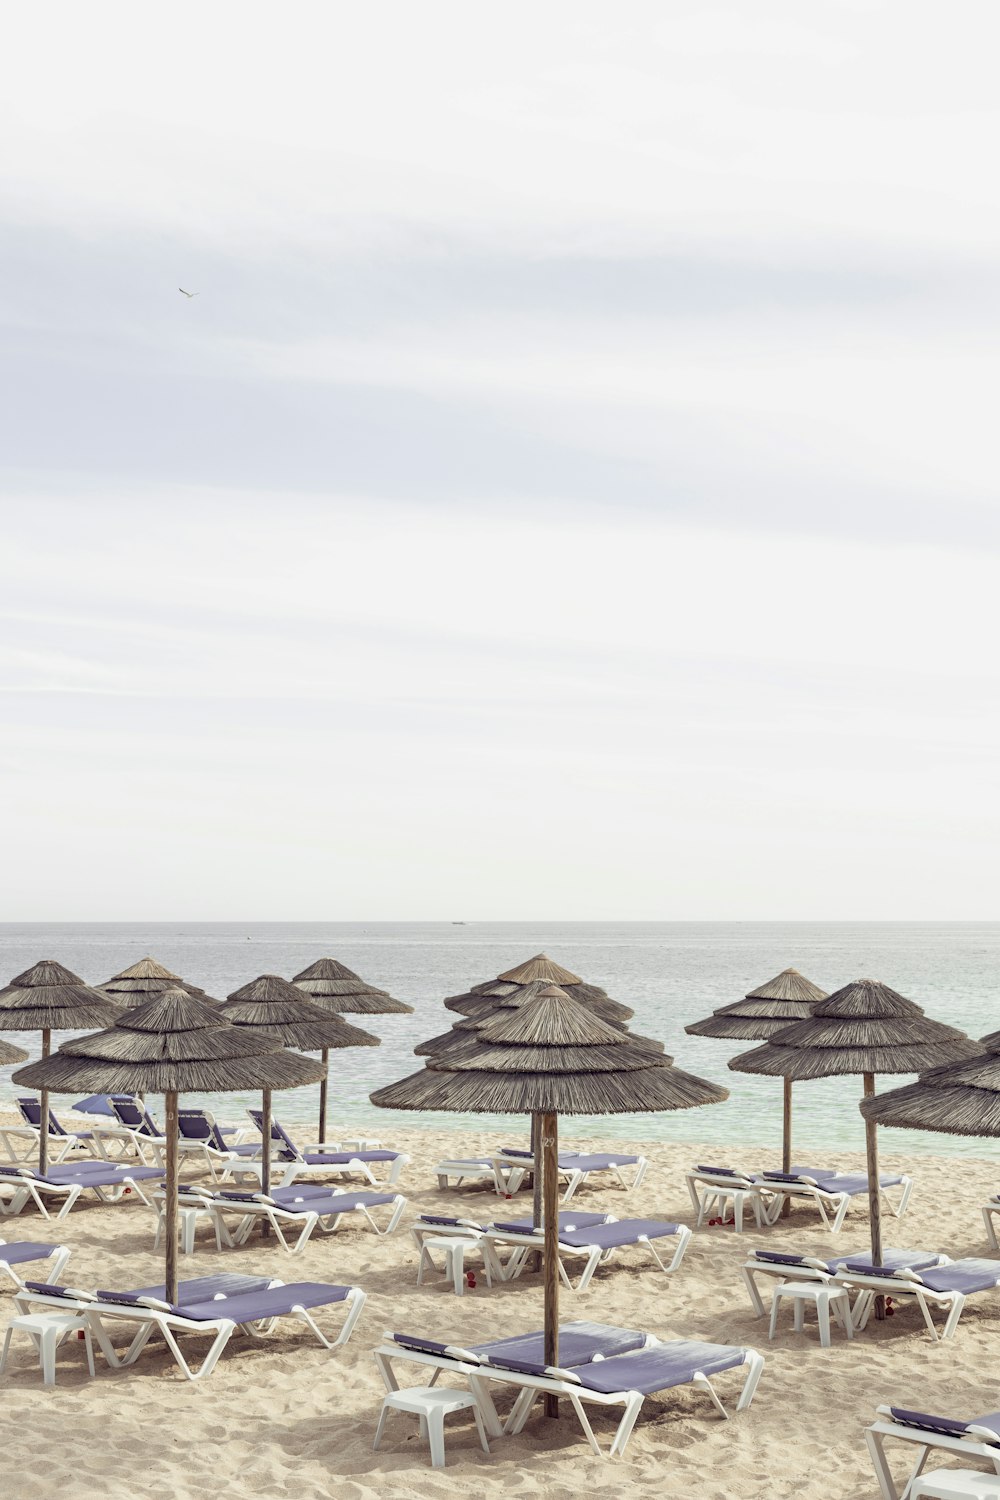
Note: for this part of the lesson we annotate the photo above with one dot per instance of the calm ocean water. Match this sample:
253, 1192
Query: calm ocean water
669, 972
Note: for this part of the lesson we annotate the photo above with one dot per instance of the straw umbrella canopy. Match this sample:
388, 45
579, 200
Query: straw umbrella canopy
960, 1098
334, 987
10, 1054
865, 1028
49, 997
274, 1008
762, 1012
141, 981
483, 999
551, 1056
173, 1044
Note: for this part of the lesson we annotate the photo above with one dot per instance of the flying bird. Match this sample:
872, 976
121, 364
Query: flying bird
189, 294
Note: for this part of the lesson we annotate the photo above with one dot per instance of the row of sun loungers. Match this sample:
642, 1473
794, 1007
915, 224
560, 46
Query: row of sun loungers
508, 1170
713, 1189
293, 1213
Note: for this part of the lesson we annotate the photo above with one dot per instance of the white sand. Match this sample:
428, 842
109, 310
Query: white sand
285, 1417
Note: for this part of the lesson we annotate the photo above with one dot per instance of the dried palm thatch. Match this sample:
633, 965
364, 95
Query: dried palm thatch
866, 1027
273, 1005
540, 967
788, 997
483, 999
10, 1054
144, 979
50, 997
334, 987
961, 1098
550, 1055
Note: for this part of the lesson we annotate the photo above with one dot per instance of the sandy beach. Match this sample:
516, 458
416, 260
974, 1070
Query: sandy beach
285, 1417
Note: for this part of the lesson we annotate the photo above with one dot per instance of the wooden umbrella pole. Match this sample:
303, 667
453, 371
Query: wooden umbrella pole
786, 1141
324, 1057
874, 1191
536, 1153
549, 1131
265, 1170
170, 1205
43, 1123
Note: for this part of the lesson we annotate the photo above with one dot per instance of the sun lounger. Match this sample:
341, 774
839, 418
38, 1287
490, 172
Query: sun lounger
465, 1168
832, 1192
17, 1253
202, 1140
989, 1209
210, 1305
978, 1439
303, 1208
68, 1181
944, 1287
21, 1142
712, 1189
600, 1365
512, 1166
135, 1132
784, 1266
596, 1242
293, 1163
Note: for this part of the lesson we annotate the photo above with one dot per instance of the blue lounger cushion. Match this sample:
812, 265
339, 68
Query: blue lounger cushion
200, 1288
621, 1232
254, 1307
579, 1343
341, 1158
317, 1203
963, 1276
21, 1250
913, 1260
597, 1161
658, 1368
568, 1222
945, 1426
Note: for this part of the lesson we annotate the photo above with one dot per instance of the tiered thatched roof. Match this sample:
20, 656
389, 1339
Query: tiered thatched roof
961, 1098
141, 981
50, 997
274, 1007
173, 1043
551, 1054
334, 987
788, 997
10, 1054
525, 981
866, 1027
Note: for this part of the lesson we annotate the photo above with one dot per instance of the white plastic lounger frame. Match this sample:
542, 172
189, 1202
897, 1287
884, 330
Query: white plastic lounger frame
989, 1209
981, 1443
832, 1203
464, 1169
154, 1316
288, 1173
21, 1144
906, 1284
305, 1219
510, 1172
30, 1189
810, 1269
595, 1255
479, 1373
710, 1191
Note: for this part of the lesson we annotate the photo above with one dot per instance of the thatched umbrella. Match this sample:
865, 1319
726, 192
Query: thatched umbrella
334, 987
274, 1008
483, 999
788, 997
10, 1054
49, 997
961, 1098
552, 1056
141, 981
865, 1028
173, 1044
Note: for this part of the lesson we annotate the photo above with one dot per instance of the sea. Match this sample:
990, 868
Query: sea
670, 973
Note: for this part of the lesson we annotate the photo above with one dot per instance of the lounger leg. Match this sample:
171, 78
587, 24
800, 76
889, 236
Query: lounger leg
755, 1363
775, 1303
577, 1406
738, 1211
841, 1214
380, 1429
593, 1261
478, 1418
6, 1347
951, 1322
519, 1412
697, 1202
633, 1406
755, 1297
641, 1171
481, 1390
886, 1483
823, 1319
59, 1258
991, 1235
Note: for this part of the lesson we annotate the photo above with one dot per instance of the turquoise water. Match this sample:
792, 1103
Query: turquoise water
669, 972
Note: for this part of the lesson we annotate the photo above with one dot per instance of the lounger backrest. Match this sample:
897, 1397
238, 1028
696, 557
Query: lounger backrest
420, 1345
720, 1171
134, 1116
198, 1125
66, 1293
290, 1151
528, 1367
447, 1222
21, 1172
923, 1422
778, 1258
31, 1114
792, 1177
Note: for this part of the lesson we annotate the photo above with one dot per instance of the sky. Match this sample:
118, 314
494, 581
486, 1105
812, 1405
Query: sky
572, 492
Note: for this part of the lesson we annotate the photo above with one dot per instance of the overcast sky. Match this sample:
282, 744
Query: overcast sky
572, 493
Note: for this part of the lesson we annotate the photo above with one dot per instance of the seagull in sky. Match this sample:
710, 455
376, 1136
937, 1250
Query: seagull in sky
189, 294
